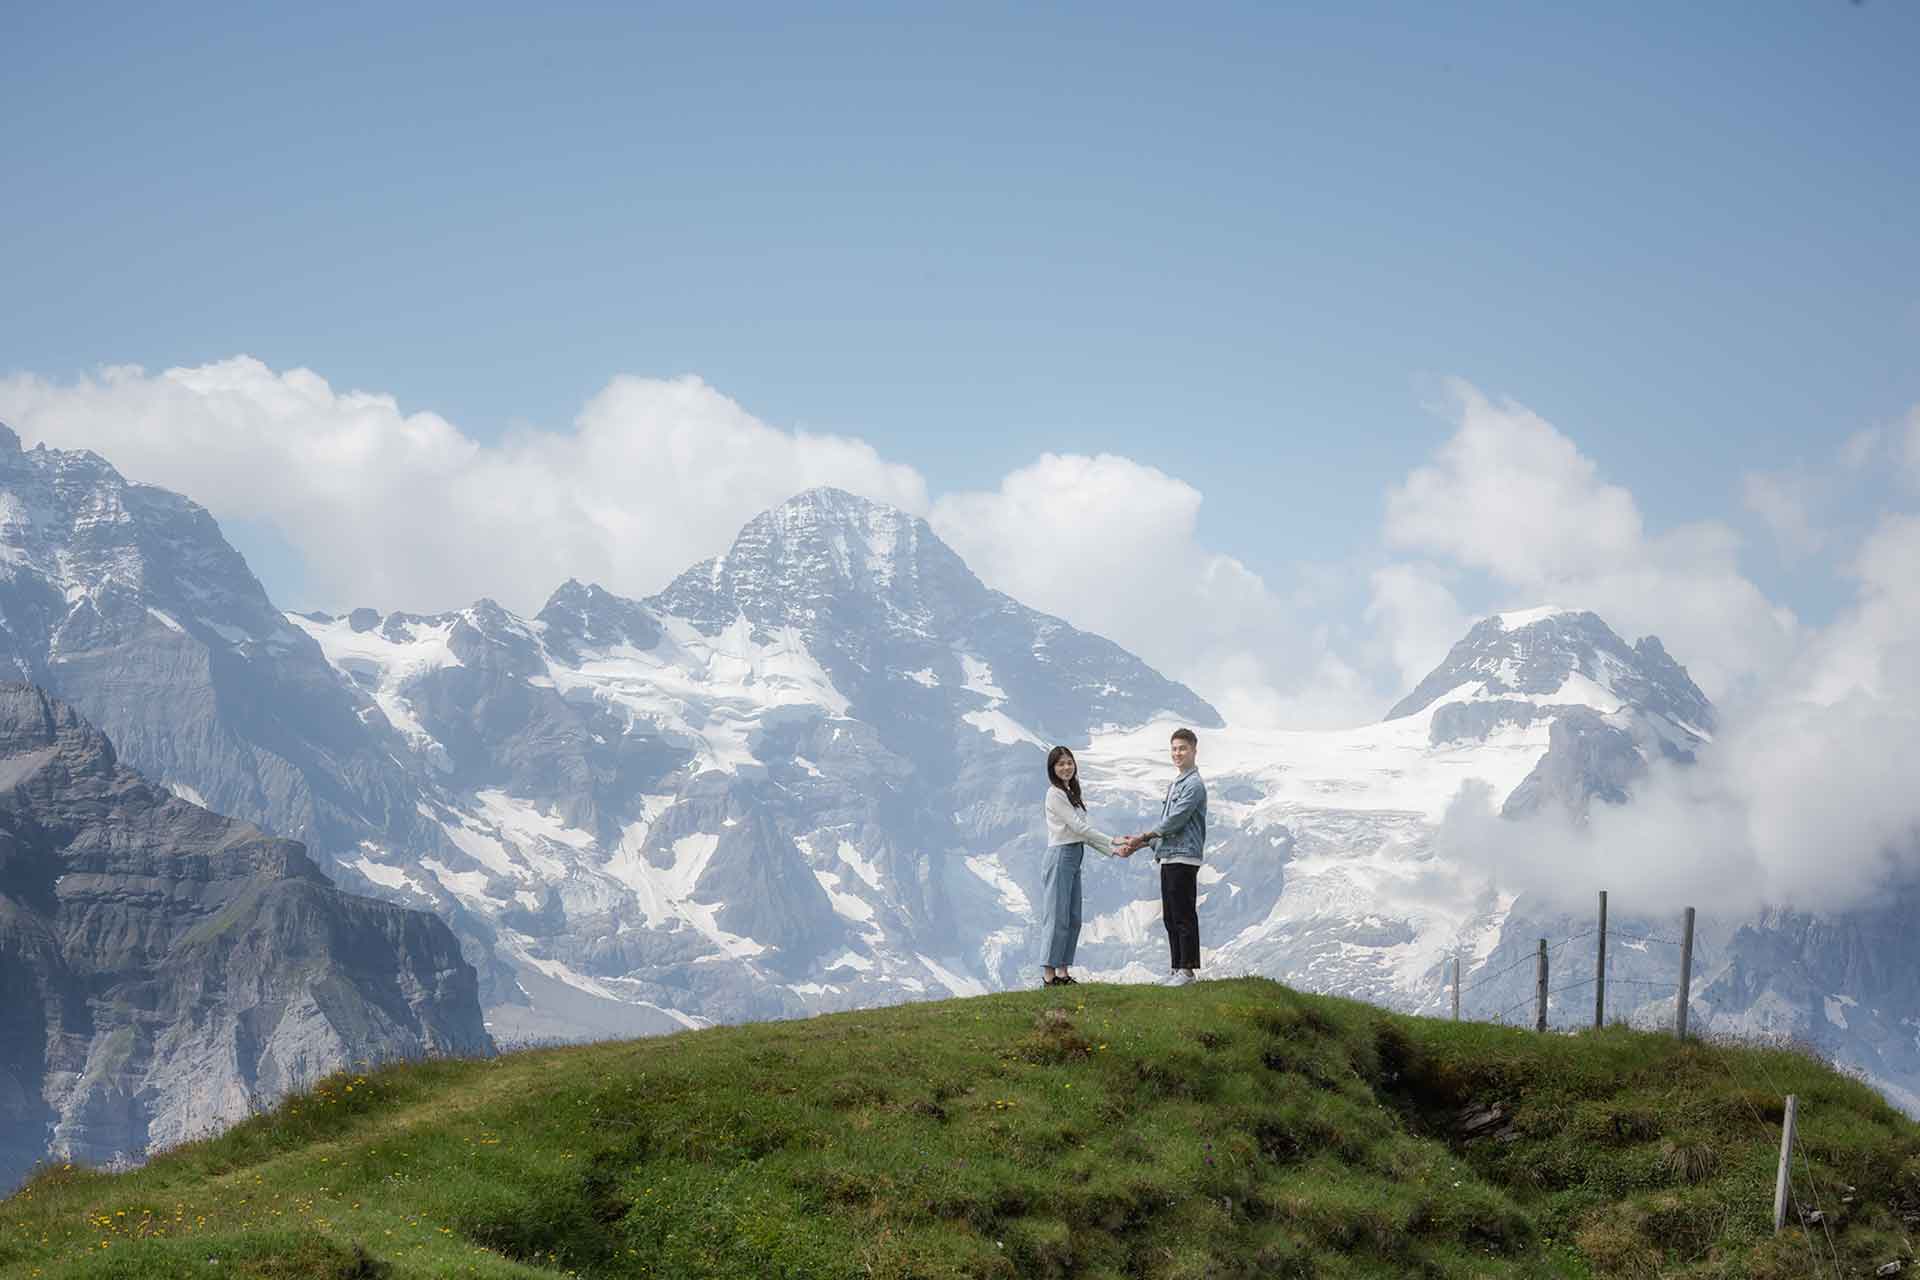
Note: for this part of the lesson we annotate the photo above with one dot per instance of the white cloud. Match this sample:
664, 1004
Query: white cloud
1417, 617
1782, 502
1805, 798
1860, 447
403, 510
1895, 445
1873, 650
1509, 495
1110, 545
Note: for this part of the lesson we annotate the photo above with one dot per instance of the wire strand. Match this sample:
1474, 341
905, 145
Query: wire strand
1512, 1008
1483, 979
1814, 1260
1720, 1055
1812, 1188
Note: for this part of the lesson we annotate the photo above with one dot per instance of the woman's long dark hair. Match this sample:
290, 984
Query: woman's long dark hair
1071, 788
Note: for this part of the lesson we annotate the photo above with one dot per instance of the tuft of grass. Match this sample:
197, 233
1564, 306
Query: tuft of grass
1234, 1128
1689, 1162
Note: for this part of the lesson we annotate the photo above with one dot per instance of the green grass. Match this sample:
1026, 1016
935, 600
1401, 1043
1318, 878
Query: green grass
1236, 1128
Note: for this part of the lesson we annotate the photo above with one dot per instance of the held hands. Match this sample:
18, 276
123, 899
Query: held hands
1127, 846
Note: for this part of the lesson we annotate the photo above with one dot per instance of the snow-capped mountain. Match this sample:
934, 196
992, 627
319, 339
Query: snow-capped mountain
1609, 707
799, 778
902, 626
807, 775
1525, 665
1322, 866
803, 777
126, 601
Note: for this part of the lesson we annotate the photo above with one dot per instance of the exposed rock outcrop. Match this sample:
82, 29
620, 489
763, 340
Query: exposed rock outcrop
164, 969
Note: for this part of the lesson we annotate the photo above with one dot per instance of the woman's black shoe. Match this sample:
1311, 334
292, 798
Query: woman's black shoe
1067, 980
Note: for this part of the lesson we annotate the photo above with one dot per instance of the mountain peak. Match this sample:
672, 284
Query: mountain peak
35, 725
883, 605
858, 528
587, 614
572, 594
73, 521
1517, 619
826, 556
826, 497
1555, 657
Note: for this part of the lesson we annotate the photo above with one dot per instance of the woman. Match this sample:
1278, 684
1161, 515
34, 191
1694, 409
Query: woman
1068, 835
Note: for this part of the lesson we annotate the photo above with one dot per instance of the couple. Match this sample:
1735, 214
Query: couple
1178, 840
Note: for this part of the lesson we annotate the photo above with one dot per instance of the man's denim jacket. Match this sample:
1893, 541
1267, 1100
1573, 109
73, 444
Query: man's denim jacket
1181, 835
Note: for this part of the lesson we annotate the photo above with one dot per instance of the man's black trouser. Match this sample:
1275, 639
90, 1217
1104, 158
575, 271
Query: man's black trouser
1179, 891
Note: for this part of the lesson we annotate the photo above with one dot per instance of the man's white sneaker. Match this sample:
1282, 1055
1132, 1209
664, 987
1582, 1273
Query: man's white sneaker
1178, 978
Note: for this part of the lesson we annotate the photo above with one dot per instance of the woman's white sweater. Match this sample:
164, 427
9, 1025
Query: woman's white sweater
1068, 825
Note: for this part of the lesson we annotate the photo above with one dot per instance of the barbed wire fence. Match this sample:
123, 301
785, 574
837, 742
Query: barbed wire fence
1547, 958
1796, 1170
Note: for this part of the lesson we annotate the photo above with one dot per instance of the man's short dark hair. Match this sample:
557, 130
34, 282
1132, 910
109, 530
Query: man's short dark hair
1186, 736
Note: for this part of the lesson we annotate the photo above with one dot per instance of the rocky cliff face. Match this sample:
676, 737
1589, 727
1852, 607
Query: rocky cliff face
126, 601
164, 969
1846, 984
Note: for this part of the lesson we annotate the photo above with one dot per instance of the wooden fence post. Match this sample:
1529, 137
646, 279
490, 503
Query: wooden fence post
1780, 1180
1600, 970
1540, 994
1686, 976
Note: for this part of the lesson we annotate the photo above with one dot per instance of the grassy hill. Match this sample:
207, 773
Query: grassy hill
1234, 1128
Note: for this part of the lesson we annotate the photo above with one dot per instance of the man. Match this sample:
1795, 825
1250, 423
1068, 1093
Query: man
1179, 844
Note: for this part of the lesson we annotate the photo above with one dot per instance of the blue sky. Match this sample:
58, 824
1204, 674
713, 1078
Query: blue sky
1242, 244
